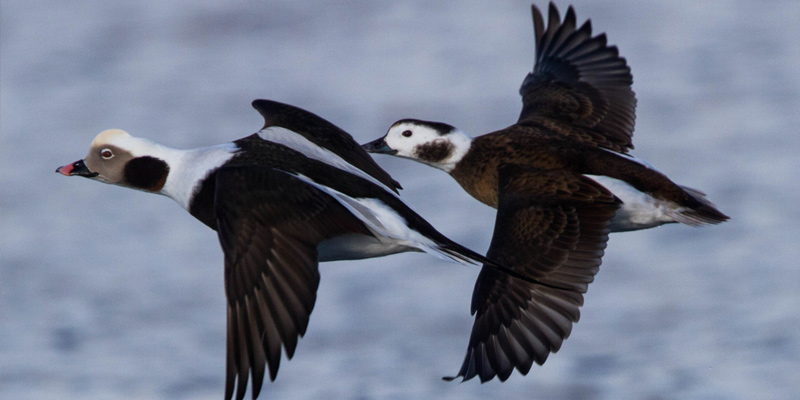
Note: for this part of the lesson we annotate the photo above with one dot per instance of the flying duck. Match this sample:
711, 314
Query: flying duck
561, 180
297, 192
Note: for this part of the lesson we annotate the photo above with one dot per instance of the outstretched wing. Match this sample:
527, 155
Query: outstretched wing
553, 226
579, 84
324, 134
270, 240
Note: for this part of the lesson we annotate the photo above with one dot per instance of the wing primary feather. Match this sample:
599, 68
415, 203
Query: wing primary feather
257, 356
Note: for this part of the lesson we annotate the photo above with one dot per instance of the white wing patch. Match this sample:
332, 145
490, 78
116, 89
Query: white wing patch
298, 142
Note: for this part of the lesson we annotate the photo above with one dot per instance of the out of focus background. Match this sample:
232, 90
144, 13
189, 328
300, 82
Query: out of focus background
108, 293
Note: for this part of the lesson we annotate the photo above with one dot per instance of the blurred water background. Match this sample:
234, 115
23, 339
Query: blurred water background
108, 293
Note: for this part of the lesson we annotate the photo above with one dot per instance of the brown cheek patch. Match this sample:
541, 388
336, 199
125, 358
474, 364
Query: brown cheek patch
146, 173
435, 151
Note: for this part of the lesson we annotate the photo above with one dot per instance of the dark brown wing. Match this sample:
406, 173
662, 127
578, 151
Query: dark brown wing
324, 134
270, 240
579, 83
553, 226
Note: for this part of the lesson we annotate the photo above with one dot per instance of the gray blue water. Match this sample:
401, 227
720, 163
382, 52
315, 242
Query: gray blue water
108, 293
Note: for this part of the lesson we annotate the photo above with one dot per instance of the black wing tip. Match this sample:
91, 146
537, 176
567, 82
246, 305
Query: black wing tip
268, 109
276, 113
538, 24
570, 17
229, 390
238, 385
258, 102
267, 105
241, 388
465, 378
552, 9
461, 378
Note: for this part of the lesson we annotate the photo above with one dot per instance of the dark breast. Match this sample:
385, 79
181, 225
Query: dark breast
521, 146
477, 173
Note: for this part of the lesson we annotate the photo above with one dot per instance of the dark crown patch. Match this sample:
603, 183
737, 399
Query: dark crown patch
440, 127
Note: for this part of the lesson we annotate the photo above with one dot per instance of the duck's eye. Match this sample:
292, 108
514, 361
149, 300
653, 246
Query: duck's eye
407, 133
106, 154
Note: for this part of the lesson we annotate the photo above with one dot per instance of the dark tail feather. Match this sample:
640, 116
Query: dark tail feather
704, 212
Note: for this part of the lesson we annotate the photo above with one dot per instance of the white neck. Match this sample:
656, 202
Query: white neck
187, 168
461, 145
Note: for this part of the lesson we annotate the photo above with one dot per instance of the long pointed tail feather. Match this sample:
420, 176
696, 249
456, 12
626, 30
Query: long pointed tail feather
704, 213
457, 252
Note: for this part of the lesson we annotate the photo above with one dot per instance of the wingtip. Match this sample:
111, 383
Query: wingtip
538, 27
570, 17
261, 104
397, 186
264, 107
270, 110
552, 12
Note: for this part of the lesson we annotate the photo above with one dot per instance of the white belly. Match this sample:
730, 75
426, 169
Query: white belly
358, 247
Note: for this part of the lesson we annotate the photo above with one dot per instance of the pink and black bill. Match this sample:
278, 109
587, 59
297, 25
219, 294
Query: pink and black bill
77, 168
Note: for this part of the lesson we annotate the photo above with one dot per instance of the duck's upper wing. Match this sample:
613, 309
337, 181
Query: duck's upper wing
580, 87
270, 240
553, 226
324, 134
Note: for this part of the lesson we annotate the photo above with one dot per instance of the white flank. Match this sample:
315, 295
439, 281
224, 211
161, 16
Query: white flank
639, 210
298, 142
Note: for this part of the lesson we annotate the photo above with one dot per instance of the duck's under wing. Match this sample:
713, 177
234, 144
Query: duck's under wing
270, 225
552, 226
